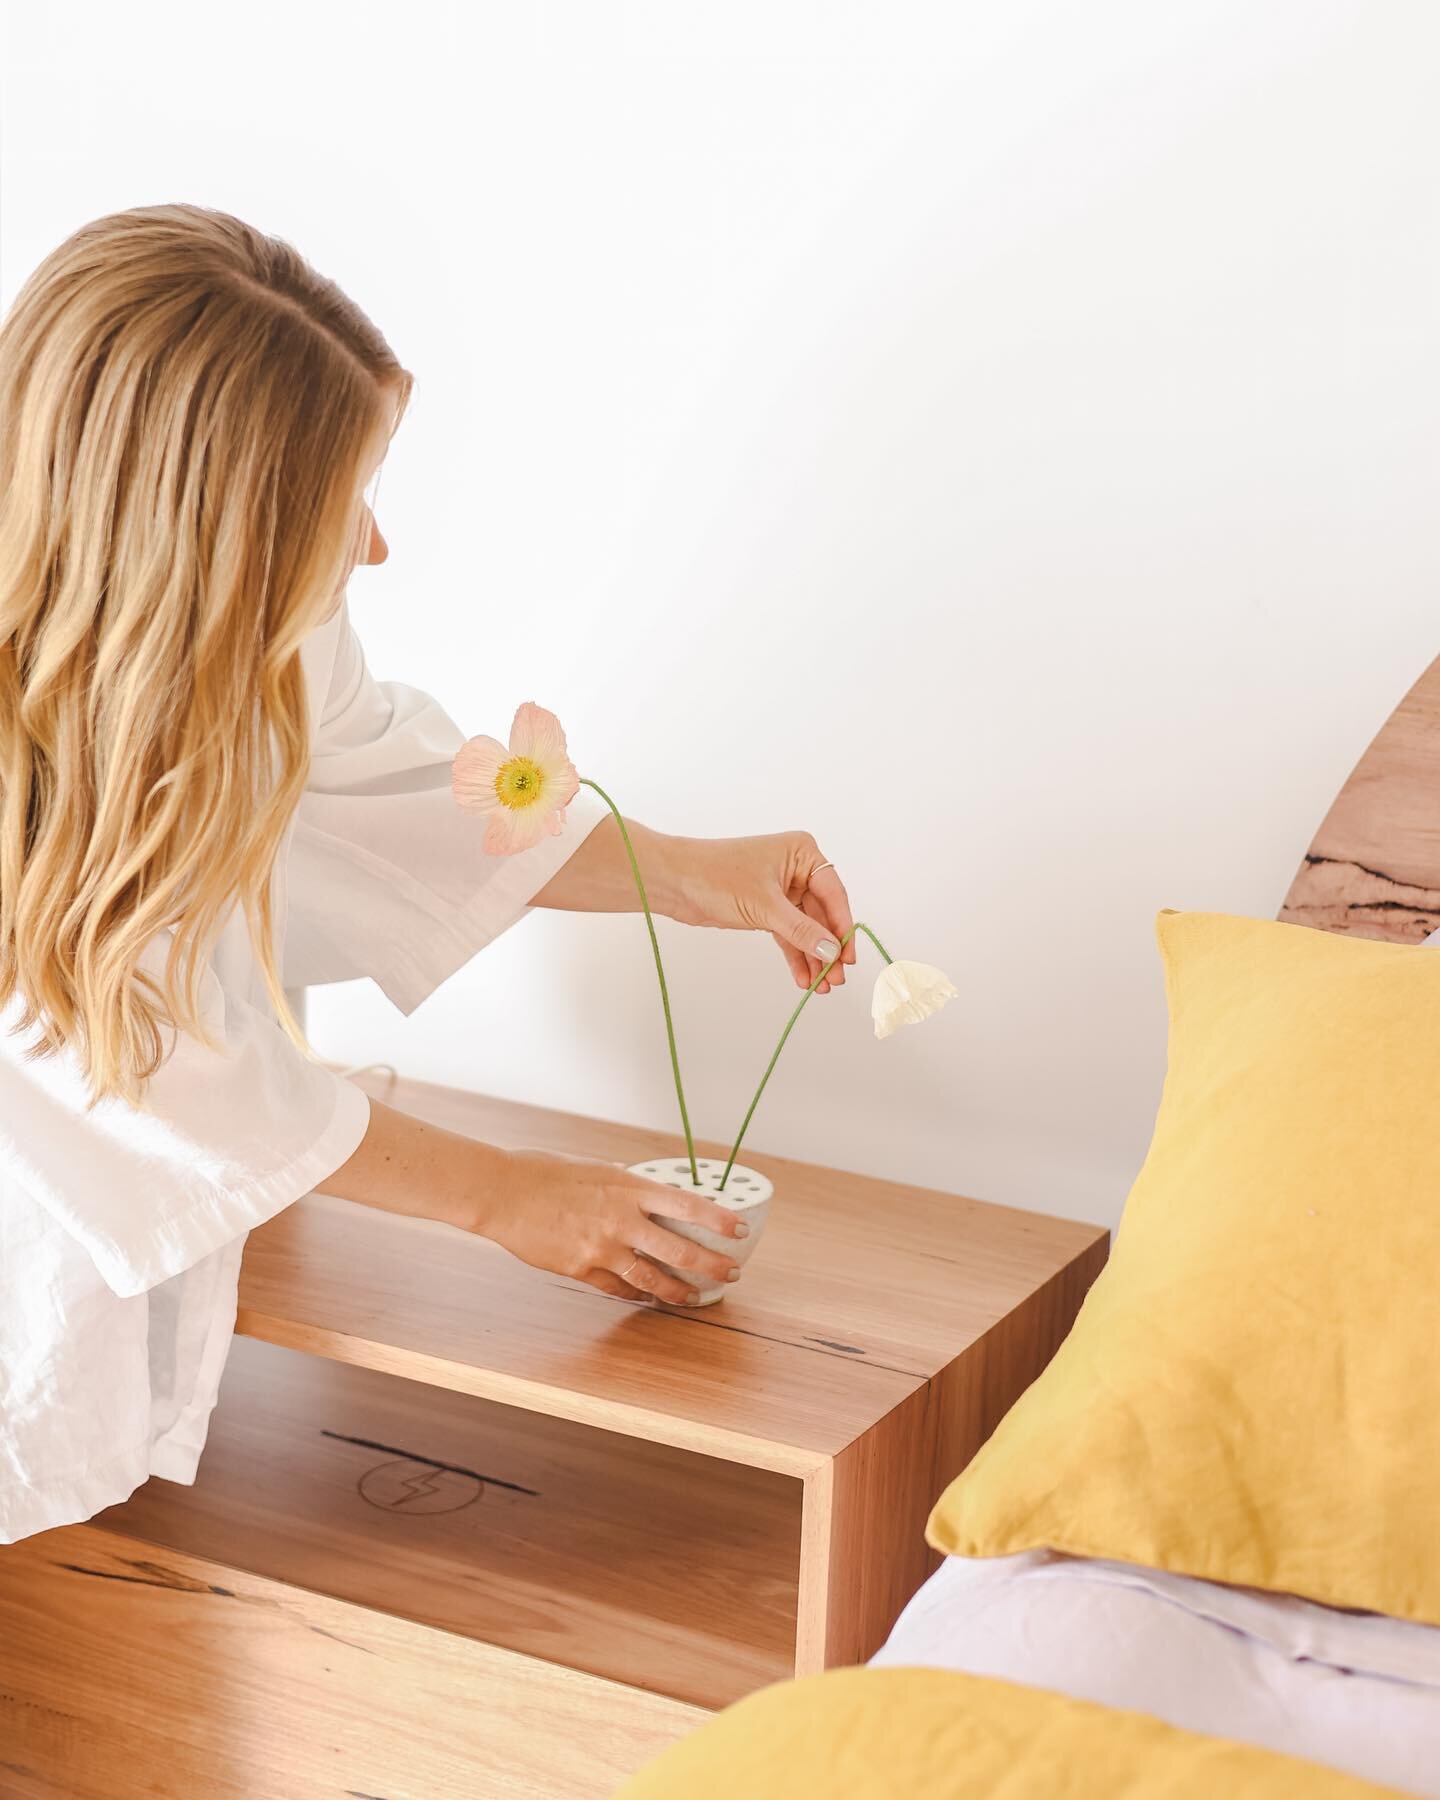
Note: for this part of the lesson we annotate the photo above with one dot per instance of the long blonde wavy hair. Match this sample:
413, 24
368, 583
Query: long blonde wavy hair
188, 412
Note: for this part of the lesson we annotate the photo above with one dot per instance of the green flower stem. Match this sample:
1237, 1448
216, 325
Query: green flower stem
659, 970
859, 925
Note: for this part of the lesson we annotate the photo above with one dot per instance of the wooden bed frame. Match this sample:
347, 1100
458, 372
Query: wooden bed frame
1374, 868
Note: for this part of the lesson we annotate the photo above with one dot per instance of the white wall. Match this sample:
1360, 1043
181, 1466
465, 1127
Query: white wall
999, 439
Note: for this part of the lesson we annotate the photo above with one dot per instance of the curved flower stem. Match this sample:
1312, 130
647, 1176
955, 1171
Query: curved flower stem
859, 925
659, 970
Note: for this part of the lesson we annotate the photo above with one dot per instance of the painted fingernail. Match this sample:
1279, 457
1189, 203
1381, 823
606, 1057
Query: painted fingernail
827, 950
692, 1299
742, 1229
732, 1274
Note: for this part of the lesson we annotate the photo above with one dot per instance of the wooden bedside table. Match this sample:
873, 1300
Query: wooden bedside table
467, 1529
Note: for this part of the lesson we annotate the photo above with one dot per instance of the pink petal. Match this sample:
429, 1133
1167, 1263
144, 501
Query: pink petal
510, 831
473, 771
564, 785
538, 734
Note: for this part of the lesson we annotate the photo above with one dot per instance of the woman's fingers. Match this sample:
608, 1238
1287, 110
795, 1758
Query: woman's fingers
609, 1282
801, 966
810, 903
590, 1221
695, 1209
683, 1253
642, 1243
825, 900
640, 1191
828, 891
651, 1279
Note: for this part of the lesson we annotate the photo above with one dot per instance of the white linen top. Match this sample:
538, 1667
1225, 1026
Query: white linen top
121, 1230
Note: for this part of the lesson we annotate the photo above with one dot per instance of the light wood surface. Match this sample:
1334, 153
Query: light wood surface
603, 1553
651, 1506
878, 1492
877, 1335
416, 1299
135, 1671
860, 1290
1374, 868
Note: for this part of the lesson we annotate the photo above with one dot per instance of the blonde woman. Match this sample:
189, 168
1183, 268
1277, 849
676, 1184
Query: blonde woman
206, 798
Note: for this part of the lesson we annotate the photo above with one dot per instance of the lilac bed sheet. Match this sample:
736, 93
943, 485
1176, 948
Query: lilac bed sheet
1354, 1691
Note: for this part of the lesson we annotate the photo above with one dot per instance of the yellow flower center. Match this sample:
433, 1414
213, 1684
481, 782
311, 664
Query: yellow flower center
519, 783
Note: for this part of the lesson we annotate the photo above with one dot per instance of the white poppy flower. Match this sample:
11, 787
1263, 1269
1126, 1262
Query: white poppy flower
907, 992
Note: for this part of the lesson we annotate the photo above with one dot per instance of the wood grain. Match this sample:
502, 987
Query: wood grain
977, 1390
622, 1558
862, 1544
861, 1290
1373, 869
664, 1505
130, 1670
412, 1298
863, 1549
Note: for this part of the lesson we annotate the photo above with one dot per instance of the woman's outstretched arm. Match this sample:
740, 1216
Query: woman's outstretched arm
566, 1214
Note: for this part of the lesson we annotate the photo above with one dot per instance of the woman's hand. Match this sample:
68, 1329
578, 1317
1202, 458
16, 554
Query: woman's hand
773, 884
588, 1220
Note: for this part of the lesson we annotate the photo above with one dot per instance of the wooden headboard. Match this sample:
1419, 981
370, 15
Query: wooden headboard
1374, 868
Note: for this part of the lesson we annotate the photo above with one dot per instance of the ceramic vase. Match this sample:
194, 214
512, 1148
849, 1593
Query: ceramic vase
747, 1193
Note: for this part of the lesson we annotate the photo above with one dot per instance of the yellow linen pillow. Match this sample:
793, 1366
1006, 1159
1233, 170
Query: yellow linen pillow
932, 1734
1251, 1392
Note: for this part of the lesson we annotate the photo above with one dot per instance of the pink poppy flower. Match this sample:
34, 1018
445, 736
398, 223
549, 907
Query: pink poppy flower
523, 790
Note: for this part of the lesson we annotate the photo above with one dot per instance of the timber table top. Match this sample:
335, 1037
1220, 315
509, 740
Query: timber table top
860, 1292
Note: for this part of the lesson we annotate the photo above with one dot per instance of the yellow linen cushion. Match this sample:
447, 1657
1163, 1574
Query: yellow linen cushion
931, 1734
1251, 1392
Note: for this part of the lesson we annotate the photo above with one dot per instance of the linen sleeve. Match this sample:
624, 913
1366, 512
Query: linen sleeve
387, 876
227, 1139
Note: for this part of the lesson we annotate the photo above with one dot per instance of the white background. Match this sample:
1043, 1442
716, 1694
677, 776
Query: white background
1000, 439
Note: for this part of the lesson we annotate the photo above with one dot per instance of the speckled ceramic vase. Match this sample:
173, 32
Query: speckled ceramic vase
747, 1193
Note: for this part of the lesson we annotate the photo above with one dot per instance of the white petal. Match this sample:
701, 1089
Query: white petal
907, 992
